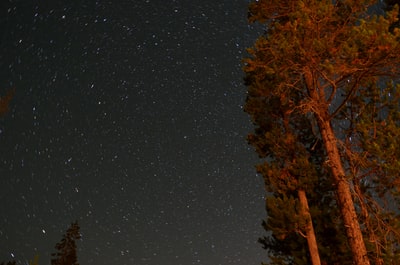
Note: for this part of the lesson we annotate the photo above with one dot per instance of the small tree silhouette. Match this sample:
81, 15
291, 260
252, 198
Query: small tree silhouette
66, 248
9, 263
5, 101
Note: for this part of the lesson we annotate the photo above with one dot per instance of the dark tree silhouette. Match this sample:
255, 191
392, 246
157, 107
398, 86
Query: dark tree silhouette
5, 101
66, 248
9, 263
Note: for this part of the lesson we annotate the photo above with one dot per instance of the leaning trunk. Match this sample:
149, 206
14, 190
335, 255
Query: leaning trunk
345, 200
344, 197
309, 229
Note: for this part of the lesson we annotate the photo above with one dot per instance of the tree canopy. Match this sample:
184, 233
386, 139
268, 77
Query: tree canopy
323, 95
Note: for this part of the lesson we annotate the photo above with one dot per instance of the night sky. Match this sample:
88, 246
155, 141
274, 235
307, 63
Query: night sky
128, 118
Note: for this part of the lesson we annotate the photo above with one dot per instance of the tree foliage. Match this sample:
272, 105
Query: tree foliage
323, 96
66, 248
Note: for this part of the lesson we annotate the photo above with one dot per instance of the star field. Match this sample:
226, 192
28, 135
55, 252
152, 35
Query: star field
127, 117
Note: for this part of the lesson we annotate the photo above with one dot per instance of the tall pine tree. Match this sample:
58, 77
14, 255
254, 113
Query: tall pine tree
323, 97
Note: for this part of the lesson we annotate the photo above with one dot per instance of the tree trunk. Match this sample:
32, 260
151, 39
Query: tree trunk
310, 235
345, 200
344, 197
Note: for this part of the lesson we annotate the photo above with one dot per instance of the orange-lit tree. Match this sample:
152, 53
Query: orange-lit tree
323, 96
294, 167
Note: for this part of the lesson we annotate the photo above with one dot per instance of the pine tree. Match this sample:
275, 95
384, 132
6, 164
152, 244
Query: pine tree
372, 151
323, 98
66, 248
293, 167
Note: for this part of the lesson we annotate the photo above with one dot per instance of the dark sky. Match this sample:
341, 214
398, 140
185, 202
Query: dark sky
128, 118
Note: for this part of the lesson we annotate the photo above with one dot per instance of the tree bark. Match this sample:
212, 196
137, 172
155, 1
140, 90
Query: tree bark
345, 200
344, 197
309, 229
